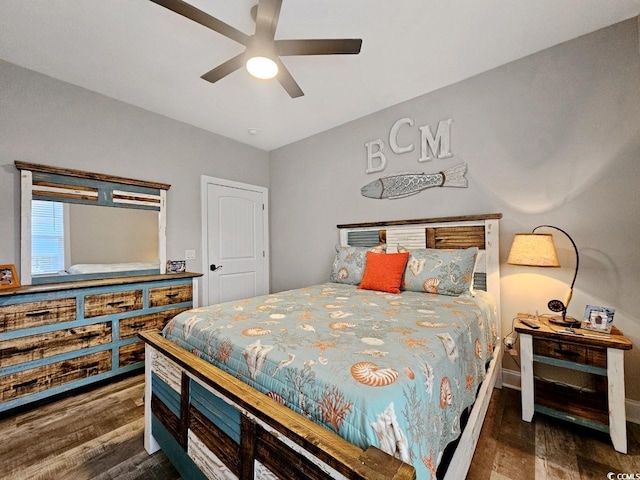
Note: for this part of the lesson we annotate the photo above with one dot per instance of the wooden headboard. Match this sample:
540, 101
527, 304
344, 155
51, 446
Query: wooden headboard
480, 231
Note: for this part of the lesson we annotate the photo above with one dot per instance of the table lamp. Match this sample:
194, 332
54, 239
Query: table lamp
538, 250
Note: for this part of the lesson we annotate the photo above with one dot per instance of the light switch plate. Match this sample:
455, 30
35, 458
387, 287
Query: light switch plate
190, 254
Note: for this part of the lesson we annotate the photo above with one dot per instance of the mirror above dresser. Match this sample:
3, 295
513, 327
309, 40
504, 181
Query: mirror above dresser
78, 225
69, 326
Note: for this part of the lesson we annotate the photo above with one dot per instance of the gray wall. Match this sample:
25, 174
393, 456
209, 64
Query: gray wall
43, 120
553, 138
111, 235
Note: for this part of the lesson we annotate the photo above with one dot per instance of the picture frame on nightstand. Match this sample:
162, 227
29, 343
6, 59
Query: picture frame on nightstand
599, 319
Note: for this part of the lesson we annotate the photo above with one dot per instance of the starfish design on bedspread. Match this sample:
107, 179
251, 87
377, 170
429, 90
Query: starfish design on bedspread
469, 382
412, 342
403, 330
323, 346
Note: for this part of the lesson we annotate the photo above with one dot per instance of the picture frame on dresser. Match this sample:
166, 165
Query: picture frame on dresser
9, 276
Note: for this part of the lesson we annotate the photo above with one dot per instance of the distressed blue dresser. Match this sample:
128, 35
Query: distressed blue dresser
58, 337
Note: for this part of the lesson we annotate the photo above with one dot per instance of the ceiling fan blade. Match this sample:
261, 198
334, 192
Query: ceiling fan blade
287, 81
192, 13
224, 69
338, 46
267, 18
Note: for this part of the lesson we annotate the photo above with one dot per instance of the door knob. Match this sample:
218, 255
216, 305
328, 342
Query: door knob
214, 267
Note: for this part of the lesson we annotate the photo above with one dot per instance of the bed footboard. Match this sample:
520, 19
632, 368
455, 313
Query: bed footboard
211, 425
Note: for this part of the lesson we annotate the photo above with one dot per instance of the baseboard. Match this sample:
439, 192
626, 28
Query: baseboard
511, 379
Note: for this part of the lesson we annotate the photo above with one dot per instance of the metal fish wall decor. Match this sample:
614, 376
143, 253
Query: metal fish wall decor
399, 185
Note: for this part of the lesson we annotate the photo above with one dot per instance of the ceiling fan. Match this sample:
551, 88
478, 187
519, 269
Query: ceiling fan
262, 53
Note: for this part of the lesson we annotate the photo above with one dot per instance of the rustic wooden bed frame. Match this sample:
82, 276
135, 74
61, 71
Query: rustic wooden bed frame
211, 425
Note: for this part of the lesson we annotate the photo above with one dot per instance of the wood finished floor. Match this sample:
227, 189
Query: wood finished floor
98, 435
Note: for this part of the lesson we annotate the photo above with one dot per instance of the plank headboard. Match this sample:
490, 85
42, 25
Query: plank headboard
480, 231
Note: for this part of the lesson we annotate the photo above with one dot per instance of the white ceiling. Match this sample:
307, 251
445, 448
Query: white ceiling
145, 55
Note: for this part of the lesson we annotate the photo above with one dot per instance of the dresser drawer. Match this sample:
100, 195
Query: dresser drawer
43, 345
35, 314
129, 327
35, 380
160, 296
110, 303
130, 354
583, 354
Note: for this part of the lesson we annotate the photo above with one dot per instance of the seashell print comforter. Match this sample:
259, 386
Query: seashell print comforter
394, 371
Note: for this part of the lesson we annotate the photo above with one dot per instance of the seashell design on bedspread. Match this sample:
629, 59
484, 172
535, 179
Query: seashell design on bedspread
391, 438
393, 371
255, 355
368, 373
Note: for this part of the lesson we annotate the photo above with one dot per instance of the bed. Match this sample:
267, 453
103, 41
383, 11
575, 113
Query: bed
85, 268
334, 381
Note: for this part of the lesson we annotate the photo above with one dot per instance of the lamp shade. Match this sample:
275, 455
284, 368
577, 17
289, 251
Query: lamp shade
533, 250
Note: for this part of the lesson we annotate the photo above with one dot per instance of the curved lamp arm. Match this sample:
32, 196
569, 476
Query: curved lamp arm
575, 275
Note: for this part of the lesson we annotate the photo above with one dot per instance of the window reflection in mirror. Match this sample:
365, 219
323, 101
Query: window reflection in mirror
64, 235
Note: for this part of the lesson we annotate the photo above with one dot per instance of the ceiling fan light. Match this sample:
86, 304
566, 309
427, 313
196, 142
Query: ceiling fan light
262, 67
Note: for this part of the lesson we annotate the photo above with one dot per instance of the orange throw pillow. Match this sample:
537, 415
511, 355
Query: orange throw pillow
384, 271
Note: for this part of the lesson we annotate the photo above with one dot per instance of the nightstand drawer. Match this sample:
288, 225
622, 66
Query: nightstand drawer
161, 296
43, 345
35, 314
110, 303
582, 354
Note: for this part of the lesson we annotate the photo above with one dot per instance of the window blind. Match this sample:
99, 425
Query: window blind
47, 237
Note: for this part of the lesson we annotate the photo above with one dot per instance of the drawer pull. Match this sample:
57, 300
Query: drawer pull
38, 314
26, 384
567, 353
89, 336
171, 295
116, 303
138, 325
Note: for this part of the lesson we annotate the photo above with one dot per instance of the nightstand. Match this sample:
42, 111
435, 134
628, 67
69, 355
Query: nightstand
585, 351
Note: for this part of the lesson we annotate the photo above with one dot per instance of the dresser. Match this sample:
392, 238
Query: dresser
57, 337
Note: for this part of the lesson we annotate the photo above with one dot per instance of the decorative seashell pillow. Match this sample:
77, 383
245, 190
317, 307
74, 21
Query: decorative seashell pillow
441, 271
349, 263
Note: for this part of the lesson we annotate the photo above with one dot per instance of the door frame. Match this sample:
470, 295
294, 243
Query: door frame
205, 181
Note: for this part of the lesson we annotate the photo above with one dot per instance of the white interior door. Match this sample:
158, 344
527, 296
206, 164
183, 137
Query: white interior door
235, 243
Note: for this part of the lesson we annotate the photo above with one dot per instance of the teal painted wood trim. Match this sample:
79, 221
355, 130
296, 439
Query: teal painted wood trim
570, 365
172, 449
46, 279
571, 418
98, 203
166, 394
105, 185
366, 238
217, 411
